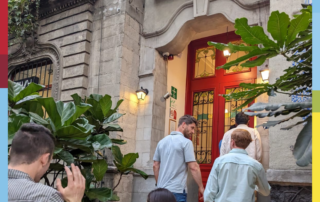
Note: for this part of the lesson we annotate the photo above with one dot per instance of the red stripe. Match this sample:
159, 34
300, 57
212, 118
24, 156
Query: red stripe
4, 44
4, 28
3, 71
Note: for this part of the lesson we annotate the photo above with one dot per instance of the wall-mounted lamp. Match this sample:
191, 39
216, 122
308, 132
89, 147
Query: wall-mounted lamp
265, 74
141, 93
226, 53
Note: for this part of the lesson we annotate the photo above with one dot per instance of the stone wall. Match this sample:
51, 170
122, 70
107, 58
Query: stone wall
71, 32
291, 193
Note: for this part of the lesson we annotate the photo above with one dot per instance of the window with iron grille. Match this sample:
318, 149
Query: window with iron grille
40, 72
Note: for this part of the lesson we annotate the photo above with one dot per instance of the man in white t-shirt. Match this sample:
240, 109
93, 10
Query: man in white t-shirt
254, 149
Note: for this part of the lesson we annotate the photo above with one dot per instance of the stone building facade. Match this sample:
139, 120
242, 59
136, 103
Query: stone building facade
116, 46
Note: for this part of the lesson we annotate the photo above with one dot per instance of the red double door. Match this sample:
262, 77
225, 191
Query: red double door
204, 86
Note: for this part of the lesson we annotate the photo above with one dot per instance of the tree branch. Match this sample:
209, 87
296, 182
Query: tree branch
117, 183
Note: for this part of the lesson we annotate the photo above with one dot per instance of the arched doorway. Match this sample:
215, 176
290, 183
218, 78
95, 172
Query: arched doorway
203, 86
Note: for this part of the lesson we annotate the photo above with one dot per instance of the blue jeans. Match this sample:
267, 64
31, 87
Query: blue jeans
181, 197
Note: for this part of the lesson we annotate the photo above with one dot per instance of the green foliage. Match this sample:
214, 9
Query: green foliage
23, 18
292, 38
81, 130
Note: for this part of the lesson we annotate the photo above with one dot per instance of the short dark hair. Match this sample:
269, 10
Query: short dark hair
188, 119
241, 137
233, 126
29, 143
242, 118
161, 195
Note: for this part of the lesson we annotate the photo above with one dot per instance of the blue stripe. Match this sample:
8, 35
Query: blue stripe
4, 144
316, 51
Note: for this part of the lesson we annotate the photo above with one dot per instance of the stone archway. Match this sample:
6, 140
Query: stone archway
25, 53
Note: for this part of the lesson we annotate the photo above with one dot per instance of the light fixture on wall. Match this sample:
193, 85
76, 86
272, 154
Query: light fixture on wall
141, 93
265, 74
226, 52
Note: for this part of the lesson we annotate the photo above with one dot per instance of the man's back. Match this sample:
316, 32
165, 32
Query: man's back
173, 152
233, 178
21, 188
254, 149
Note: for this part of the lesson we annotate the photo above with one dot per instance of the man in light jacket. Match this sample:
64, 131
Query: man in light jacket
235, 176
254, 149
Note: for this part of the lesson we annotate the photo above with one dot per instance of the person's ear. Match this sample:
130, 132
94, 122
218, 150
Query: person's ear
9, 151
44, 159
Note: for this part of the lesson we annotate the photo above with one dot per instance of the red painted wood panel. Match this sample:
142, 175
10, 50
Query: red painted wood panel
219, 83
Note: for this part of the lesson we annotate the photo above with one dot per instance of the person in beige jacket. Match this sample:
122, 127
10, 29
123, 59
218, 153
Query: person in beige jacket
254, 149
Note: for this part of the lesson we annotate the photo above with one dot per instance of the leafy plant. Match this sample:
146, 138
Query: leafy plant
81, 130
292, 38
23, 18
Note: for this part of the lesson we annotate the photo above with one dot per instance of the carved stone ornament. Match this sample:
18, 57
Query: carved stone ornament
31, 51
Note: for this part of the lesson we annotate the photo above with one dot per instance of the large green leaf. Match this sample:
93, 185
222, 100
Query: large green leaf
13, 90
51, 108
71, 112
303, 146
28, 98
37, 119
114, 197
96, 97
100, 167
76, 99
73, 132
14, 124
102, 194
84, 145
143, 174
88, 176
297, 25
96, 110
118, 156
65, 156
118, 104
112, 127
129, 159
257, 52
113, 117
100, 142
232, 48
118, 141
278, 26
252, 35
29, 90
31, 106
106, 104
88, 158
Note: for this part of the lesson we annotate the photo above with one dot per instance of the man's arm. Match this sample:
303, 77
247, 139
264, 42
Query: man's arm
196, 174
156, 168
263, 186
212, 187
258, 145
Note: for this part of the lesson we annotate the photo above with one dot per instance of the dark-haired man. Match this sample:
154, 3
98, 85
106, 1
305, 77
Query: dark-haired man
235, 176
30, 155
174, 156
254, 149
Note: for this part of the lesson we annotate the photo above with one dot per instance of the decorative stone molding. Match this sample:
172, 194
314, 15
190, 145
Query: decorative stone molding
290, 177
200, 7
197, 4
36, 52
52, 8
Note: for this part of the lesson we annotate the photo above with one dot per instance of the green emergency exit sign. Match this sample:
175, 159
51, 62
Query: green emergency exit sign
174, 92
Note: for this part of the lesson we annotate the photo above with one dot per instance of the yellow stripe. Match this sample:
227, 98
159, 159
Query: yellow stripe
315, 157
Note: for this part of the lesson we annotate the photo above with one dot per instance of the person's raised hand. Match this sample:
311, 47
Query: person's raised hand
76, 185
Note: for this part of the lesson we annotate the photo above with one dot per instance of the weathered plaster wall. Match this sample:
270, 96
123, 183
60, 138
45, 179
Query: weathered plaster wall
281, 157
177, 73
